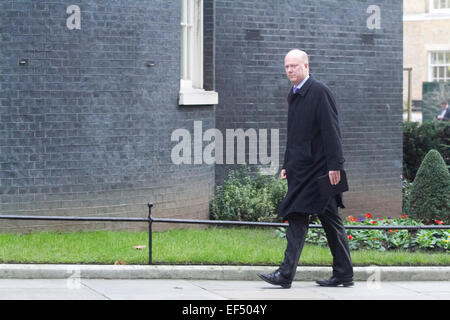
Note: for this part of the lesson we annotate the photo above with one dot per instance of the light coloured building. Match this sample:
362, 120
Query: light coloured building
426, 46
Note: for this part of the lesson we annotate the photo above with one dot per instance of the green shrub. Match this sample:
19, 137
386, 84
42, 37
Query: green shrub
245, 197
430, 192
406, 192
418, 139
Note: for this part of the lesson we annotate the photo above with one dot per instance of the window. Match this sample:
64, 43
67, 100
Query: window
191, 78
187, 45
440, 5
439, 66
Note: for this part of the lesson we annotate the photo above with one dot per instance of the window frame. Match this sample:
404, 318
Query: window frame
191, 60
433, 9
432, 65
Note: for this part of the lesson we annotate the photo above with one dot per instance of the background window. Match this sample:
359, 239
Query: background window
186, 39
191, 77
440, 66
192, 44
440, 4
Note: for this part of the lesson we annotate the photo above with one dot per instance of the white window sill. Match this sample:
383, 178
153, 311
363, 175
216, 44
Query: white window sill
434, 15
197, 97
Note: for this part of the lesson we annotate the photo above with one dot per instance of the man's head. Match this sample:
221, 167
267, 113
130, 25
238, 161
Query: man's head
296, 65
444, 104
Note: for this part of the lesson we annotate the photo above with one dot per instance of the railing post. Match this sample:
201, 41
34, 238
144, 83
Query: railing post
150, 221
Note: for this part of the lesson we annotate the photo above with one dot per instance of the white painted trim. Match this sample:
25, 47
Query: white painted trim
437, 46
433, 10
438, 15
192, 29
197, 45
197, 97
185, 85
191, 89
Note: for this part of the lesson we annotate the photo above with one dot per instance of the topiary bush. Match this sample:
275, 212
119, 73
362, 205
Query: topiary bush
418, 139
248, 197
430, 191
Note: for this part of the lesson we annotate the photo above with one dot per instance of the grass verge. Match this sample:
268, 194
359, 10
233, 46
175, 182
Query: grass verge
232, 246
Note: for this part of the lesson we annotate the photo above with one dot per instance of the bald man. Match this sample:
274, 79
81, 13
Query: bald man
313, 149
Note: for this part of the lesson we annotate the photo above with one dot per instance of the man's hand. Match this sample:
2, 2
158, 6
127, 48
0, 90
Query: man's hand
283, 174
335, 177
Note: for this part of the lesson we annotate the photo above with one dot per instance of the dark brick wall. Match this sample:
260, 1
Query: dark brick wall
363, 68
208, 45
85, 126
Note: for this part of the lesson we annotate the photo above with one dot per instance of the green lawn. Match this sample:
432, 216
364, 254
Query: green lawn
241, 246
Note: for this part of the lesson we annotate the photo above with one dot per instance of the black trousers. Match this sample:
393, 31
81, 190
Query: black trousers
336, 236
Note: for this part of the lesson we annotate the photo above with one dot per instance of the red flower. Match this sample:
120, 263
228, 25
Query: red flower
390, 230
373, 222
439, 222
404, 216
380, 219
353, 219
368, 216
350, 237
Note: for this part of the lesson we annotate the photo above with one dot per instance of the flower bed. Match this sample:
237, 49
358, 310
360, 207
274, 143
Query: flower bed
394, 238
391, 239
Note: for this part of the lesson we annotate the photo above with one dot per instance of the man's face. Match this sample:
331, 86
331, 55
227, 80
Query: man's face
444, 105
296, 69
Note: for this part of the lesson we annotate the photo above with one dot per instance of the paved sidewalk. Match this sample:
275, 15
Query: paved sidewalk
167, 289
205, 272
169, 282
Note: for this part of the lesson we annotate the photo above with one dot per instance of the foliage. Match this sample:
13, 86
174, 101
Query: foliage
430, 192
383, 240
418, 139
406, 194
247, 197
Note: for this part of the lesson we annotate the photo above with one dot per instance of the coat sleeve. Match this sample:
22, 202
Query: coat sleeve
286, 154
329, 129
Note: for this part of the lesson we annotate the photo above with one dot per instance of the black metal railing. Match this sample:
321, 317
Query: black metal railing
150, 220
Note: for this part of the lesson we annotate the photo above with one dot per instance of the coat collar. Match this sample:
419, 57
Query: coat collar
305, 86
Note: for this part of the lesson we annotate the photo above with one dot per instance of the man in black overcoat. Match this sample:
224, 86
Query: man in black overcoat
314, 148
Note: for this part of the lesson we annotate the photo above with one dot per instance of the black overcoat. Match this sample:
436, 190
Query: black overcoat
314, 147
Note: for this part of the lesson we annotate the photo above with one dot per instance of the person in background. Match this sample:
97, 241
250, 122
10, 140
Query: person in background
445, 113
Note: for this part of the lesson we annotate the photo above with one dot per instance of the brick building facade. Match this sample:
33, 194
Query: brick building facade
88, 103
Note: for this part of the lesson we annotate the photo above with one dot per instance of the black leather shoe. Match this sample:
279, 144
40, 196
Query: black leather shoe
276, 278
334, 282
